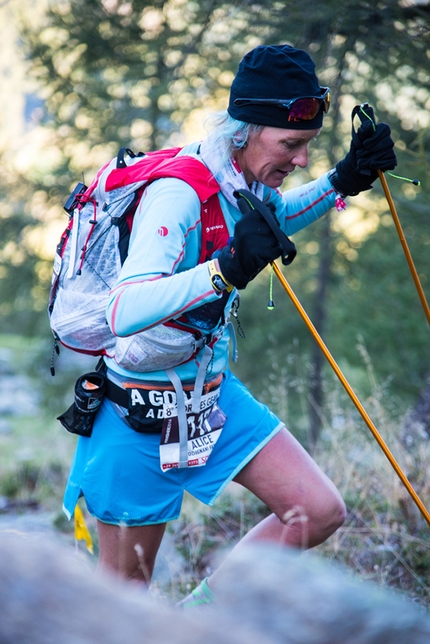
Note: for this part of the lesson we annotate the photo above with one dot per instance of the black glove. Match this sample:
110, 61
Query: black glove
371, 150
252, 247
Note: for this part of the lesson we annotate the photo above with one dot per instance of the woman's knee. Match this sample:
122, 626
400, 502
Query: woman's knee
332, 515
326, 517
315, 521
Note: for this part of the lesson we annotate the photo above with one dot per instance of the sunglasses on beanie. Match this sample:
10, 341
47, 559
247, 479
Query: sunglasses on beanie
304, 108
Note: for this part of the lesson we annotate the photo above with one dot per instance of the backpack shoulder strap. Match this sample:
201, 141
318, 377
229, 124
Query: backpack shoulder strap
214, 228
190, 170
164, 164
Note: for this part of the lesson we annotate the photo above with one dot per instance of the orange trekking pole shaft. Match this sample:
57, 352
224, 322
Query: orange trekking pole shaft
351, 393
405, 245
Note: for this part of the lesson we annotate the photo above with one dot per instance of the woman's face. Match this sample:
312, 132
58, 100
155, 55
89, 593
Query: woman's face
272, 153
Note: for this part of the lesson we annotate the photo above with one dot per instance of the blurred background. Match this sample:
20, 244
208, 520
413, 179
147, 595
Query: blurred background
82, 78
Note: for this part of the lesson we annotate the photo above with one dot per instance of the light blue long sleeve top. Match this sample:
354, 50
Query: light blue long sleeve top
161, 278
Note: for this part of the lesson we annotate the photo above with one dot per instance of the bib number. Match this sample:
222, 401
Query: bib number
204, 430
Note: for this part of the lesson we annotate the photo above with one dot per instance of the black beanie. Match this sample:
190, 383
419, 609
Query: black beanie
274, 71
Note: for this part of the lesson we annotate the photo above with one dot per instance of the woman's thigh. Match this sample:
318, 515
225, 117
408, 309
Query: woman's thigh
285, 477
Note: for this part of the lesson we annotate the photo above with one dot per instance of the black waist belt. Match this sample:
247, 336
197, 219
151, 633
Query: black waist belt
120, 395
116, 394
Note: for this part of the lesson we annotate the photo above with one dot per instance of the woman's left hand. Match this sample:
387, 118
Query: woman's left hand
372, 149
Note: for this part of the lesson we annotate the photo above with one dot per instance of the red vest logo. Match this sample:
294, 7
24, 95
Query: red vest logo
163, 231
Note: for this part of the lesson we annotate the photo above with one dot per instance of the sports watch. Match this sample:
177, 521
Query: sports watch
218, 280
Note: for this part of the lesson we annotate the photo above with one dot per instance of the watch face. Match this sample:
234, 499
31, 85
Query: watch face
218, 282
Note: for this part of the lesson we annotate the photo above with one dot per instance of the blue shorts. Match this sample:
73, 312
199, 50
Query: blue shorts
118, 471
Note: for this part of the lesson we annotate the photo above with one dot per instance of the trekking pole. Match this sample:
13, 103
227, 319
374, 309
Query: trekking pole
404, 244
364, 111
351, 393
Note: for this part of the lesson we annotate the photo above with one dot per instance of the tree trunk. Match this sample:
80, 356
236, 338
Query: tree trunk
316, 393
417, 423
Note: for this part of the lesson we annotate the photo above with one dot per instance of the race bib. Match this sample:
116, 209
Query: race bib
203, 431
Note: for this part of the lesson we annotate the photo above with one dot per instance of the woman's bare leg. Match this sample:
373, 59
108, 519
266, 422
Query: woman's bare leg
129, 552
307, 507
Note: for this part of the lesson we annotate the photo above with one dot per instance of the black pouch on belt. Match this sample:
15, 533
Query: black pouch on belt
89, 392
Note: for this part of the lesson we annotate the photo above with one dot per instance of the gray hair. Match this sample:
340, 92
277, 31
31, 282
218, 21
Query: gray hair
229, 133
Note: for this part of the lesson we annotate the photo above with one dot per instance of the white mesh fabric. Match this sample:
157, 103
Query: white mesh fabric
158, 348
